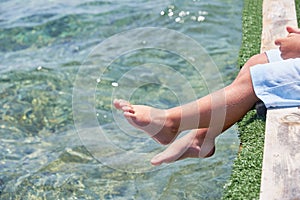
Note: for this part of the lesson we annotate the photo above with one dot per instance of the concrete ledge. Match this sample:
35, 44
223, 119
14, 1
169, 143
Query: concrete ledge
281, 166
281, 160
277, 14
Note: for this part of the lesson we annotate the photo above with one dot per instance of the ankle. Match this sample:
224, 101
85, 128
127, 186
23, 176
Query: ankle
172, 122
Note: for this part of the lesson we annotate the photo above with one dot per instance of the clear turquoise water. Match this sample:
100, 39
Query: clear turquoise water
43, 45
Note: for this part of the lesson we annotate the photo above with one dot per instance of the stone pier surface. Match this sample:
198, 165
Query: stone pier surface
281, 160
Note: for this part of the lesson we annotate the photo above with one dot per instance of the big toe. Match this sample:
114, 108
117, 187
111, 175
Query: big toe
120, 103
159, 159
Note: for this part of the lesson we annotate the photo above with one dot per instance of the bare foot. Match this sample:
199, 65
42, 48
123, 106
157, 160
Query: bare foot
189, 146
153, 121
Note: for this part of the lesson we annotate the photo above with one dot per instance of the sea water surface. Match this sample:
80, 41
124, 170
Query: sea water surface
43, 46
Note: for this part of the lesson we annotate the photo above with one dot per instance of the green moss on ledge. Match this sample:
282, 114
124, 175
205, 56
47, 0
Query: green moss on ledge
252, 28
246, 174
297, 2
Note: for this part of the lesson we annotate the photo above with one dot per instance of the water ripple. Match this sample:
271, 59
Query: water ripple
43, 44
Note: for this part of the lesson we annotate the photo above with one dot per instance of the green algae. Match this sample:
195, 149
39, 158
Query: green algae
246, 174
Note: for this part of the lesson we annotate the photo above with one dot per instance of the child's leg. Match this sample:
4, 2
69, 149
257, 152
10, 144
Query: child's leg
189, 146
197, 144
217, 111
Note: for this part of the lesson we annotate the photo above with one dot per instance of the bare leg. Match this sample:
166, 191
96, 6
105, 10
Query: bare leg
189, 146
218, 111
234, 101
198, 143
